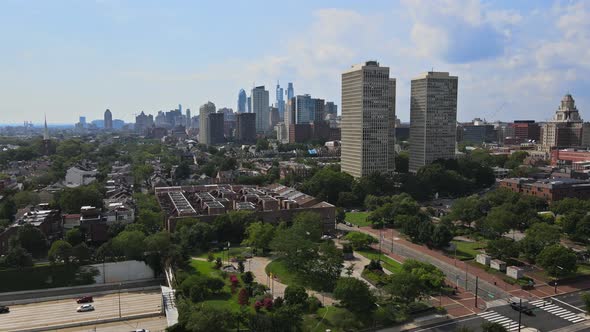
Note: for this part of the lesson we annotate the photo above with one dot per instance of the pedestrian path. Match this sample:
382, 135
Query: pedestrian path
495, 317
558, 311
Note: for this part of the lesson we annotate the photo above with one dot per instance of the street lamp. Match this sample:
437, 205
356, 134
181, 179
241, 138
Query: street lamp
555, 288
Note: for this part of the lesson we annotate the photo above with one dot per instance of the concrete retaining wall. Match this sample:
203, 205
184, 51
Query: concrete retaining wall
122, 271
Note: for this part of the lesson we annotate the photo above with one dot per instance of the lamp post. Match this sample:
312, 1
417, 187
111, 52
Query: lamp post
555, 288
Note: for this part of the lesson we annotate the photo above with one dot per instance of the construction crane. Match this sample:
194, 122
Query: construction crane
498, 110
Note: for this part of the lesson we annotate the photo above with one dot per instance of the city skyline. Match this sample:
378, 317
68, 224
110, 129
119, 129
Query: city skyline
515, 60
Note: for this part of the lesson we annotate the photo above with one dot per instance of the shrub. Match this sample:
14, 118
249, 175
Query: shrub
313, 304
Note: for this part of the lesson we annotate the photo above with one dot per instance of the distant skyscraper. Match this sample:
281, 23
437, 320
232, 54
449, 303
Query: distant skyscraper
215, 128
273, 116
280, 101
143, 122
188, 118
246, 128
249, 104
180, 108
368, 120
242, 101
290, 93
260, 105
108, 120
433, 118
319, 110
204, 112
45, 130
83, 121
331, 108
304, 109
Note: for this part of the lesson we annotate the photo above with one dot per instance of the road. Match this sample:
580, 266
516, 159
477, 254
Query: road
457, 274
55, 313
573, 299
155, 324
546, 317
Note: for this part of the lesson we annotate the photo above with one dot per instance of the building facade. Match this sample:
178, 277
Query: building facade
368, 120
204, 111
566, 128
433, 118
242, 101
260, 105
108, 120
280, 101
246, 128
215, 128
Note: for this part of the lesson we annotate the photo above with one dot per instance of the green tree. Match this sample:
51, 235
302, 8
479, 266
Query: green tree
355, 295
72, 199
208, 318
295, 295
130, 243
467, 209
60, 251
497, 222
538, 237
557, 260
81, 253
327, 184
503, 248
586, 300
259, 235
152, 221
402, 162
326, 268
32, 239
299, 243
16, 256
74, 236
26, 198
441, 236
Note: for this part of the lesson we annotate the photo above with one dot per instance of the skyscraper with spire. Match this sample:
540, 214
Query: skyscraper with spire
290, 92
242, 100
45, 130
108, 120
280, 101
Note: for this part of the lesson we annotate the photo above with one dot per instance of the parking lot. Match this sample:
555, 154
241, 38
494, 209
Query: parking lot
55, 313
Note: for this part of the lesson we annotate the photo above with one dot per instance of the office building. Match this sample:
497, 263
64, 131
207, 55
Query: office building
280, 101
242, 101
204, 111
304, 107
290, 92
246, 128
525, 131
188, 119
433, 118
143, 122
566, 129
83, 121
215, 128
108, 120
319, 110
368, 120
273, 116
260, 105
331, 108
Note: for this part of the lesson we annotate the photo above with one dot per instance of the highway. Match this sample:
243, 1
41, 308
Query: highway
55, 313
154, 324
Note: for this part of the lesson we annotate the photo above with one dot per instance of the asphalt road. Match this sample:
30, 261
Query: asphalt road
54, 313
542, 319
573, 299
155, 324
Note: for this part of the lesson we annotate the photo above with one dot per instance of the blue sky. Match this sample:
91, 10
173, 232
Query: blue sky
514, 59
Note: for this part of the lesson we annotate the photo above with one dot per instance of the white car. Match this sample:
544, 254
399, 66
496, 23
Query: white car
85, 307
141, 330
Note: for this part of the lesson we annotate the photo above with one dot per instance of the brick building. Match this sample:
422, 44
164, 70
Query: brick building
549, 189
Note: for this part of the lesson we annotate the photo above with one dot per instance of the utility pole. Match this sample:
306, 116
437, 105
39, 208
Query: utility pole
476, 289
519, 313
466, 275
119, 300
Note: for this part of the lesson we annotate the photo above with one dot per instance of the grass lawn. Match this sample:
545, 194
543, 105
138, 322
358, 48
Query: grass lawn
357, 218
278, 268
333, 318
226, 299
583, 269
467, 250
387, 263
233, 252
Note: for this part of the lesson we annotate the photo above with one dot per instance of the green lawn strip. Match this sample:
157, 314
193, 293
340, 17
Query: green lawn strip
583, 269
278, 268
233, 252
467, 250
387, 262
334, 318
357, 218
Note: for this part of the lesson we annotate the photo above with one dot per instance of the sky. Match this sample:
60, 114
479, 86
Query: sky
514, 59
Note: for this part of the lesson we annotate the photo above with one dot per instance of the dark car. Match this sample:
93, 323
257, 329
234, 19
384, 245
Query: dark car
4, 309
522, 308
85, 299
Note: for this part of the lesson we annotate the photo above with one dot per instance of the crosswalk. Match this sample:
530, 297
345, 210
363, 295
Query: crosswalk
558, 311
495, 317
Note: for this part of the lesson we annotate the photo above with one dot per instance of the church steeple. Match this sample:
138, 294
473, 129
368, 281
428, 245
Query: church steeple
45, 130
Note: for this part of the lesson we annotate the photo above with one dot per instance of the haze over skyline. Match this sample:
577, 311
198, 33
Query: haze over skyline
73, 58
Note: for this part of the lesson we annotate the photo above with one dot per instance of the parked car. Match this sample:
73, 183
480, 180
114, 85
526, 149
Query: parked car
85, 299
4, 309
141, 330
85, 307
522, 308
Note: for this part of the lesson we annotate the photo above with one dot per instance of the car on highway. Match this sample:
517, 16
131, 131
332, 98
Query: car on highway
4, 309
521, 307
141, 330
85, 299
85, 307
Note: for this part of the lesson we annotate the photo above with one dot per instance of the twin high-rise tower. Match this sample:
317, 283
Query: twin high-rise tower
368, 119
